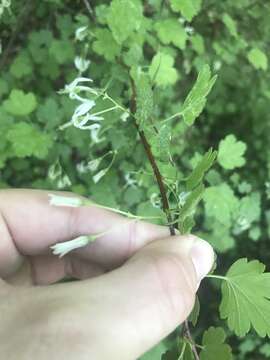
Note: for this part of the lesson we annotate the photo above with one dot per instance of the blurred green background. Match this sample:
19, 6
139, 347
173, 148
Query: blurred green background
38, 48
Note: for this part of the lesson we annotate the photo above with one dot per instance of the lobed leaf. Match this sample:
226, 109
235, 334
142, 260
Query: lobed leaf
201, 168
245, 298
196, 99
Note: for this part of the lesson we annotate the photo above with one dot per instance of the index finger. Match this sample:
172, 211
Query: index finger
34, 225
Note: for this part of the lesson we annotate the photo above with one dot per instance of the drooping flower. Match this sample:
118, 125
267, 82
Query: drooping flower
74, 87
61, 249
81, 33
58, 200
81, 64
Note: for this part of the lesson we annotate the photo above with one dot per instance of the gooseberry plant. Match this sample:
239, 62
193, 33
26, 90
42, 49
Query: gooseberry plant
245, 287
138, 97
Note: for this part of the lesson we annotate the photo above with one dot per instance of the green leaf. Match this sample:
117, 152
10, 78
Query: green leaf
145, 101
20, 103
188, 209
231, 153
220, 238
254, 233
21, 66
181, 351
171, 31
250, 207
196, 99
201, 168
62, 51
221, 203
230, 24
155, 353
188, 8
26, 140
258, 59
213, 345
3, 87
265, 350
162, 70
50, 113
105, 44
124, 17
245, 298
193, 317
160, 143
198, 43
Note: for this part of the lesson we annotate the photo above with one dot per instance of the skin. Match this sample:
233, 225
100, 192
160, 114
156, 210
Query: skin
137, 284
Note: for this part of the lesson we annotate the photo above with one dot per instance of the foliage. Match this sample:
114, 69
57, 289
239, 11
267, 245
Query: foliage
200, 71
245, 298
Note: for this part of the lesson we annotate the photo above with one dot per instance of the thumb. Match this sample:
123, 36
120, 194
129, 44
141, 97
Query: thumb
137, 305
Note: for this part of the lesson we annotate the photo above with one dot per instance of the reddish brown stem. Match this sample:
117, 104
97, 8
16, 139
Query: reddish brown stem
163, 194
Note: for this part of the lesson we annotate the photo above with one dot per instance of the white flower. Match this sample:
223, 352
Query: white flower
99, 175
94, 164
81, 115
130, 181
81, 33
81, 168
63, 182
124, 116
83, 109
94, 129
74, 88
154, 199
58, 200
189, 30
61, 249
217, 65
81, 64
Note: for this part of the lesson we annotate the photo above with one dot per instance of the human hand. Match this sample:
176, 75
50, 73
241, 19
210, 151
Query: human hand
137, 283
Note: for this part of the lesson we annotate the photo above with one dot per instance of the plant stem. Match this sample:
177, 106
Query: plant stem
191, 341
162, 189
219, 277
151, 158
20, 22
89, 9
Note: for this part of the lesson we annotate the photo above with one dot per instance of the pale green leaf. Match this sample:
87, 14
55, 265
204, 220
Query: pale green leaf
194, 315
201, 168
213, 345
170, 31
145, 102
160, 142
188, 210
231, 153
198, 43
162, 70
245, 298
26, 140
220, 237
196, 99
221, 203
230, 24
188, 8
124, 17
258, 59
20, 103
250, 207
106, 45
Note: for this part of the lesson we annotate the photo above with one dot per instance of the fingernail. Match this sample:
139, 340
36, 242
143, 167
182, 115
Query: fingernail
202, 256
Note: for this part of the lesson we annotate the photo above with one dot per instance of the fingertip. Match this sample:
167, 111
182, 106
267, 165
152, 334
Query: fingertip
202, 255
